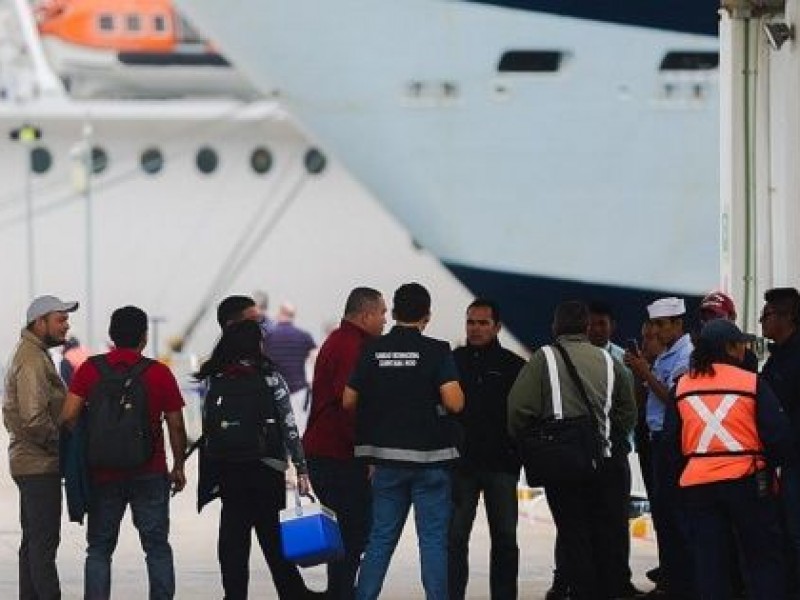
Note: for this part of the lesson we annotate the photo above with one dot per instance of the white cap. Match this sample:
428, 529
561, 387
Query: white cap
46, 304
666, 307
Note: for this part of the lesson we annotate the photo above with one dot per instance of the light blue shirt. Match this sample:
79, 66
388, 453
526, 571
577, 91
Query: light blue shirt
669, 365
615, 351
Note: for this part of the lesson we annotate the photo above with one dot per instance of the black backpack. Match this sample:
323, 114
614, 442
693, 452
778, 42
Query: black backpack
119, 434
240, 418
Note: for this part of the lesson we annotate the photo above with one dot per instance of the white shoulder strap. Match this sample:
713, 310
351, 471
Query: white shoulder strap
555, 385
609, 397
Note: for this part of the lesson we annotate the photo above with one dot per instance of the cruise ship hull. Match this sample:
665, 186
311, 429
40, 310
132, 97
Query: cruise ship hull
595, 173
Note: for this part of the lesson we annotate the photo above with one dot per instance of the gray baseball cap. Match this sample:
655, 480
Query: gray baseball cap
47, 304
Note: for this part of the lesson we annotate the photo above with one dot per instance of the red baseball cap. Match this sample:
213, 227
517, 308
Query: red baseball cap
719, 304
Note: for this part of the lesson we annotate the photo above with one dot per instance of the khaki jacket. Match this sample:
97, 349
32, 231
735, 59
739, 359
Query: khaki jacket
34, 396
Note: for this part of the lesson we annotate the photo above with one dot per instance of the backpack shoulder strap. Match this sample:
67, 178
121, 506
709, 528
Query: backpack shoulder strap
101, 364
140, 366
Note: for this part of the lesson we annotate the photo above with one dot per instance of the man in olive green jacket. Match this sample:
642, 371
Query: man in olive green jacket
581, 509
34, 395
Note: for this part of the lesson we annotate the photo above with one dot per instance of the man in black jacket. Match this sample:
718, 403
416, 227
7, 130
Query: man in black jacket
490, 465
779, 322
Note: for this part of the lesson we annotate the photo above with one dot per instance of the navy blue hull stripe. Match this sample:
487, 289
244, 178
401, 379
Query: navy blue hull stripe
527, 302
687, 16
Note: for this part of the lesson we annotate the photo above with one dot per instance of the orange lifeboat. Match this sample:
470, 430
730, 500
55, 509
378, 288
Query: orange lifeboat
140, 48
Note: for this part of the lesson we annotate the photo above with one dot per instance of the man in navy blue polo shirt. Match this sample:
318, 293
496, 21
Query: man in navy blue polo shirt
403, 389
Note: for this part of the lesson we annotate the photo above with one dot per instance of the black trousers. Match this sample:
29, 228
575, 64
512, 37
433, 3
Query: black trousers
611, 489
343, 486
500, 499
252, 495
40, 518
669, 519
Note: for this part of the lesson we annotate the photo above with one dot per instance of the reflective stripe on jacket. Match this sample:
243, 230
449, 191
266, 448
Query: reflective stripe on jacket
719, 433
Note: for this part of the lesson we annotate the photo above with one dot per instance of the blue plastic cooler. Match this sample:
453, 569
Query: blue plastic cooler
310, 535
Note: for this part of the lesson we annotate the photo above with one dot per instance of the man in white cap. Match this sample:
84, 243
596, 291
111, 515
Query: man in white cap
667, 319
31, 406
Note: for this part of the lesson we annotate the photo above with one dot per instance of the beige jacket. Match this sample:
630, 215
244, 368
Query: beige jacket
34, 396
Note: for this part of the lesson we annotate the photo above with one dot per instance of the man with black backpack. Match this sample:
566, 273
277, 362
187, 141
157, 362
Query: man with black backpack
124, 397
564, 410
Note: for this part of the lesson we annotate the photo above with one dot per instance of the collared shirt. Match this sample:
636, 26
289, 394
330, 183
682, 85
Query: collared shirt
670, 364
331, 428
615, 351
163, 396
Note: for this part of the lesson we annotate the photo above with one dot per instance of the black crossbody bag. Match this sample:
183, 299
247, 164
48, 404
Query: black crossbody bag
563, 451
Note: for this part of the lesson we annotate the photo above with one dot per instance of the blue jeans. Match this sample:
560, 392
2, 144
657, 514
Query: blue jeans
148, 497
394, 490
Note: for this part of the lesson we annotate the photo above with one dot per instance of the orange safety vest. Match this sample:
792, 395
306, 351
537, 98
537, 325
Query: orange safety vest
719, 434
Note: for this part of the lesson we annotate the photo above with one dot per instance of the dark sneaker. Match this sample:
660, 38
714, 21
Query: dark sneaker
628, 592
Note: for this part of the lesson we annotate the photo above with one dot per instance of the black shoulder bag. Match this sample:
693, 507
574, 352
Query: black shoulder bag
563, 451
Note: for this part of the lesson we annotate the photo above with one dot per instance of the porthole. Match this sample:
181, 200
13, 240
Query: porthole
99, 160
152, 161
315, 161
261, 160
207, 160
41, 160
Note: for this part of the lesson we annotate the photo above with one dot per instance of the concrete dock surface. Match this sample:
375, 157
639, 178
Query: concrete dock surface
194, 539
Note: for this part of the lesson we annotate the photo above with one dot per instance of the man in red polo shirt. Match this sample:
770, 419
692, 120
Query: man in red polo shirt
145, 488
340, 481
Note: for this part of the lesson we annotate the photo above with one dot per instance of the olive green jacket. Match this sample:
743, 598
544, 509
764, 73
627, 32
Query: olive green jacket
530, 399
34, 396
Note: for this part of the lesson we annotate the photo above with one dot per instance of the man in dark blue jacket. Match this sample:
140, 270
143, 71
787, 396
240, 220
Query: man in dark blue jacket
489, 463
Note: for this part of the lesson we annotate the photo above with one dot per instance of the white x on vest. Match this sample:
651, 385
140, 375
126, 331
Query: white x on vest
713, 423
555, 387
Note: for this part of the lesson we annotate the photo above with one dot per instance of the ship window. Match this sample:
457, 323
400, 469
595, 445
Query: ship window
41, 160
152, 161
530, 61
160, 23
207, 160
99, 160
261, 160
106, 22
315, 161
690, 61
133, 23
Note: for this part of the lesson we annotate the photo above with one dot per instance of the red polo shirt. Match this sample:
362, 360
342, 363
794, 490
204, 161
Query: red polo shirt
331, 428
163, 396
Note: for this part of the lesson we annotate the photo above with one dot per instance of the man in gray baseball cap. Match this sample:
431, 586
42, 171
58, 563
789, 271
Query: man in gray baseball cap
34, 395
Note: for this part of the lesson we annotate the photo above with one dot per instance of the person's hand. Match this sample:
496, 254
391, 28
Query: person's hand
637, 364
303, 484
178, 478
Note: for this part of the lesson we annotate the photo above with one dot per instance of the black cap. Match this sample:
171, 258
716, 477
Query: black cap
722, 331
